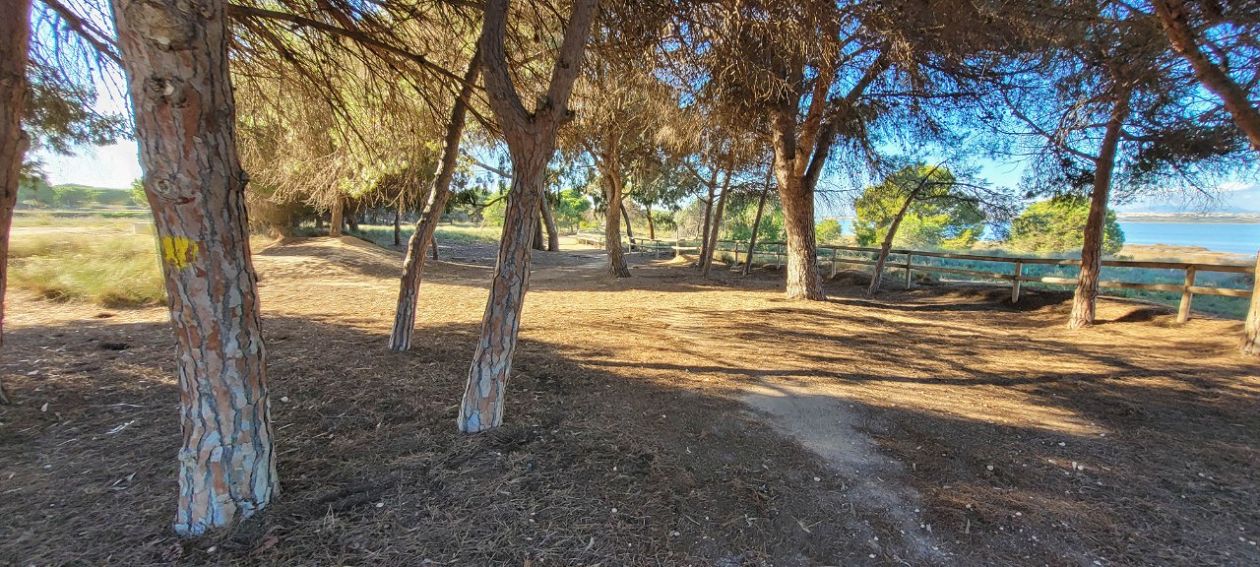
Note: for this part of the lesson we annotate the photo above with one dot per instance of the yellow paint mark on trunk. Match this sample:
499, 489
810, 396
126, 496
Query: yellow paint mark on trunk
178, 251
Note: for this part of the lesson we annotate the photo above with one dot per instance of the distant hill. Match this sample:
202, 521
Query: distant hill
73, 196
1239, 201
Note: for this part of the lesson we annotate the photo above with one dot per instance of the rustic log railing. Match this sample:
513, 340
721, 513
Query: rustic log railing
1017, 277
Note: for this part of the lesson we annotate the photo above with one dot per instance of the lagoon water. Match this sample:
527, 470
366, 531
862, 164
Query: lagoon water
1237, 238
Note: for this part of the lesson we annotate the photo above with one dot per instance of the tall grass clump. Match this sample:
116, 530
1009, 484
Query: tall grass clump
115, 270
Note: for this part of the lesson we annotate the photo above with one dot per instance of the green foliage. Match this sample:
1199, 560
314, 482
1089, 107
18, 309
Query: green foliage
827, 231
34, 193
741, 214
570, 206
938, 217
137, 194
117, 271
1058, 225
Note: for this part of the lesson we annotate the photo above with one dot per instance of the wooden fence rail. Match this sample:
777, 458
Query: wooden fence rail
1187, 288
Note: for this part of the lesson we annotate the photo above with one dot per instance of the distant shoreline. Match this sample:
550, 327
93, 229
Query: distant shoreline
1191, 218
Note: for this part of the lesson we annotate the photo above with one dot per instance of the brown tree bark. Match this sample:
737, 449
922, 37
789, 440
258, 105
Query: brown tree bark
708, 219
1251, 327
398, 227
651, 225
610, 169
176, 61
549, 220
538, 243
14, 33
531, 138
711, 239
625, 216
752, 239
336, 218
1086, 296
1175, 21
435, 205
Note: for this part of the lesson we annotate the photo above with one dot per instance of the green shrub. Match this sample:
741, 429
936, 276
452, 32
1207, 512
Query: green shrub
1058, 225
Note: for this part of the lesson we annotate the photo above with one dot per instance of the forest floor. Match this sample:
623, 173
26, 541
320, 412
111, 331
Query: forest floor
662, 419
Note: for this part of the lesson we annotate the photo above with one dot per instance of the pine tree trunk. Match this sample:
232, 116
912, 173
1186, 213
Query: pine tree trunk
549, 220
752, 240
1251, 327
335, 219
625, 215
398, 226
538, 232
612, 221
803, 279
651, 225
1086, 296
708, 220
426, 225
14, 33
706, 263
482, 407
176, 61
531, 138
352, 219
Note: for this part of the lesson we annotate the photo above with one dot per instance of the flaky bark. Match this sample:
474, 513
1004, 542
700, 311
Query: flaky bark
625, 217
14, 33
531, 139
549, 221
1251, 327
610, 169
176, 59
435, 205
752, 239
1086, 296
651, 225
708, 219
336, 217
1175, 21
711, 239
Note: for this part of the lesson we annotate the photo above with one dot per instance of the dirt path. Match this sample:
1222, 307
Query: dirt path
931, 427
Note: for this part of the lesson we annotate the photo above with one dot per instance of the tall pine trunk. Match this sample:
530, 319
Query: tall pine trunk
398, 226
752, 239
803, 279
336, 217
708, 220
625, 216
612, 221
176, 61
706, 263
1086, 296
531, 138
882, 260
14, 33
651, 225
549, 220
413, 264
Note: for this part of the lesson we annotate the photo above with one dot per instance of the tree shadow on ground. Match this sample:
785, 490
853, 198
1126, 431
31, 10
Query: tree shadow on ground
592, 467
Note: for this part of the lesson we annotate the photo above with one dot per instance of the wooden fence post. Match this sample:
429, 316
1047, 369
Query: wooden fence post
1015, 283
833, 261
909, 273
1183, 310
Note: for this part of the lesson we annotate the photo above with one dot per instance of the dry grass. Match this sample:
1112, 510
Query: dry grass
117, 270
1130, 443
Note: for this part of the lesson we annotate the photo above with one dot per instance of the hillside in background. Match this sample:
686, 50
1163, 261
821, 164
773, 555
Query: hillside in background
73, 196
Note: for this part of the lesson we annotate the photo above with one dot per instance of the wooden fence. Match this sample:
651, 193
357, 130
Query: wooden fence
903, 260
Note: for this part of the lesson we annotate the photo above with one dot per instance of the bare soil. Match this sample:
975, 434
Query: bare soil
659, 420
